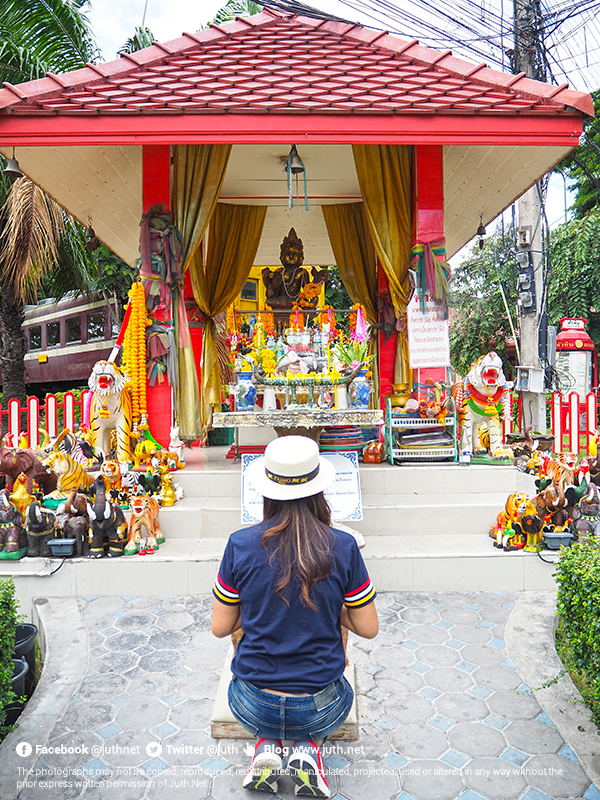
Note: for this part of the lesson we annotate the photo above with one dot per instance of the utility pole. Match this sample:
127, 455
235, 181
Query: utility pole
527, 59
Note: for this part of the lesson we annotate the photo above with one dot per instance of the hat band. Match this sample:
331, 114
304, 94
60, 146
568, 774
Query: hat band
292, 480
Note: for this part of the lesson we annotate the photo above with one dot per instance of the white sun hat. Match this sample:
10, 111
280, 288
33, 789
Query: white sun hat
291, 468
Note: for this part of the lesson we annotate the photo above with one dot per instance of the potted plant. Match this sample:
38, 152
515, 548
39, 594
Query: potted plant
25, 638
8, 624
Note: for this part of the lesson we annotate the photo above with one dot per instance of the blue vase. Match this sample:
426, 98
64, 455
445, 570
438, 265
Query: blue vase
359, 391
245, 392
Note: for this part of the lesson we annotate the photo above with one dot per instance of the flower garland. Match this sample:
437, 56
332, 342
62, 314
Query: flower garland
296, 319
134, 358
231, 321
308, 295
269, 320
353, 312
327, 317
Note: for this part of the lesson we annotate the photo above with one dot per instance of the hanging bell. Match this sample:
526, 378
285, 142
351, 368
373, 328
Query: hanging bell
93, 242
12, 169
481, 231
295, 162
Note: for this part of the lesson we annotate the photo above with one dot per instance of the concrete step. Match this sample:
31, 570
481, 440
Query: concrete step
433, 563
383, 514
225, 480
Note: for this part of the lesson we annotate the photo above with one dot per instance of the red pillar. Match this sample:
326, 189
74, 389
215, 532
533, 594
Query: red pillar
429, 217
156, 188
428, 225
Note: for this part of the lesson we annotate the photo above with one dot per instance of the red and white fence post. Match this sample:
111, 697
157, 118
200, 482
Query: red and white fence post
556, 421
574, 423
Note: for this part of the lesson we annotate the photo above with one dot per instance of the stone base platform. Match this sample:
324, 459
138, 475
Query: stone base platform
425, 527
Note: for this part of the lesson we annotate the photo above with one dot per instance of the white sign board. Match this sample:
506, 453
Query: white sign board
428, 336
343, 495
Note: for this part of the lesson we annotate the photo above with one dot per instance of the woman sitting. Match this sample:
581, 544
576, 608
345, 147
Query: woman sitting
291, 582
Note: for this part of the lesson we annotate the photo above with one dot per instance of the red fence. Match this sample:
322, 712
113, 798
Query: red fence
53, 416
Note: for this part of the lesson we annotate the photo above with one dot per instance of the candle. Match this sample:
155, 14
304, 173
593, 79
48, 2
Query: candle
328, 357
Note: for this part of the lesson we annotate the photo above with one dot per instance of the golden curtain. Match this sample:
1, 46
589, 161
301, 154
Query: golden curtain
198, 173
233, 240
354, 253
384, 176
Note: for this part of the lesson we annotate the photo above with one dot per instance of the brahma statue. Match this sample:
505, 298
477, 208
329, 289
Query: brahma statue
483, 396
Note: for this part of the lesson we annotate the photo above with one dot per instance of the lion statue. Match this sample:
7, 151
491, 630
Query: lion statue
110, 410
482, 397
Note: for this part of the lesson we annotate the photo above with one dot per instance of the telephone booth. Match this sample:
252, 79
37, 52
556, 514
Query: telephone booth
577, 360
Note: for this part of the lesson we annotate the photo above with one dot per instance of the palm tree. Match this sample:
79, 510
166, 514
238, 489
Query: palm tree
143, 37
236, 8
35, 234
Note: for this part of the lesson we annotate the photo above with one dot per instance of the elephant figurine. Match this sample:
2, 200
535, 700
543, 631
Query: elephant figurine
77, 523
107, 524
40, 524
13, 539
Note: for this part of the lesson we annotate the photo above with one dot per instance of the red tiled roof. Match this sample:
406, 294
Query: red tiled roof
277, 64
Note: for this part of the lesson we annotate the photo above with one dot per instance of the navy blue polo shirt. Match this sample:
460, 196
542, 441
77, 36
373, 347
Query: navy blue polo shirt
290, 648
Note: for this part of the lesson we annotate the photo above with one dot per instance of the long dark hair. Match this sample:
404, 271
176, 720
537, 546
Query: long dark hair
299, 542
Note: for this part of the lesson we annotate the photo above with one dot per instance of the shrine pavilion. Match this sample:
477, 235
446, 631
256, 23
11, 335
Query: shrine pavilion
405, 143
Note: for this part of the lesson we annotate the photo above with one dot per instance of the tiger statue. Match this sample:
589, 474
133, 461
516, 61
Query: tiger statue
71, 475
519, 518
482, 397
561, 469
144, 514
110, 410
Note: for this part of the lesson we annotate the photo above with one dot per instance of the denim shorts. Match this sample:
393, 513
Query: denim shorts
274, 716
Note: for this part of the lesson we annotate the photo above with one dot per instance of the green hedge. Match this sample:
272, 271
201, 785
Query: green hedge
578, 635
8, 623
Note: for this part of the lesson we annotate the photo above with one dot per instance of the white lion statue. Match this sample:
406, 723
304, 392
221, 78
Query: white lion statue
110, 410
483, 396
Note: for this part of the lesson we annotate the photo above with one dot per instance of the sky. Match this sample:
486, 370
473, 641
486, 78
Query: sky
113, 23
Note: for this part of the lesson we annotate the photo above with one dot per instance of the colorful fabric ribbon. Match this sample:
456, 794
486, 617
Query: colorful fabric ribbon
432, 272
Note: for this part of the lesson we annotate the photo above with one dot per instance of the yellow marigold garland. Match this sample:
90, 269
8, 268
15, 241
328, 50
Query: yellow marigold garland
269, 320
134, 357
231, 326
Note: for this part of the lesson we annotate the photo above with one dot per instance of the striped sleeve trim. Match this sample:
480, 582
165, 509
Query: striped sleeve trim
225, 593
361, 596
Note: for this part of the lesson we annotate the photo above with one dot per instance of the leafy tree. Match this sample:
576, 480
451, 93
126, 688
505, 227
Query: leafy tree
478, 318
35, 37
582, 165
573, 280
335, 291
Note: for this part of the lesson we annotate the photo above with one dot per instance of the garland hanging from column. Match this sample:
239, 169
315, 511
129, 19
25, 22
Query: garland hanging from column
134, 358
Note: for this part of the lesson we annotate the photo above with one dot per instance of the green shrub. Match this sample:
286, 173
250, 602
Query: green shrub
8, 623
578, 636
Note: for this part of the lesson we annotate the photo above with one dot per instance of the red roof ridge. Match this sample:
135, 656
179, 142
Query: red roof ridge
157, 54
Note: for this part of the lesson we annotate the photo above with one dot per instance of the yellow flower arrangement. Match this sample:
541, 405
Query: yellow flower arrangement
268, 361
134, 357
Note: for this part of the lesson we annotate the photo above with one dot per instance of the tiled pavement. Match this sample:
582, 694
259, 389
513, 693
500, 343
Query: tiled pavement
443, 713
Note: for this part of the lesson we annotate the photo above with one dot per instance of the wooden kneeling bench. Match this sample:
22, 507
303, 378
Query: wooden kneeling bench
223, 724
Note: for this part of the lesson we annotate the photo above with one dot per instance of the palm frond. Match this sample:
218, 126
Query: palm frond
143, 37
19, 64
56, 31
236, 8
33, 224
75, 269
